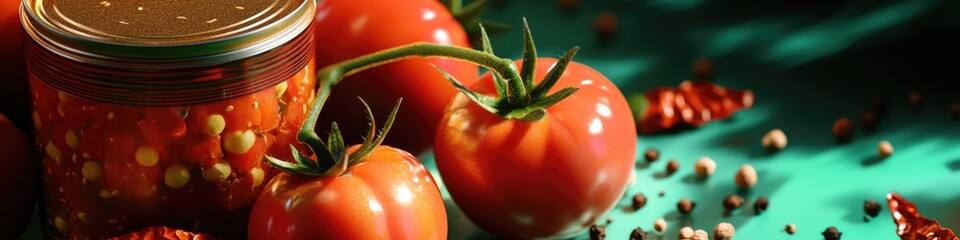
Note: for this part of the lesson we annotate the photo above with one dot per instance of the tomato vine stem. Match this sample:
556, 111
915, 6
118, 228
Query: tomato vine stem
518, 97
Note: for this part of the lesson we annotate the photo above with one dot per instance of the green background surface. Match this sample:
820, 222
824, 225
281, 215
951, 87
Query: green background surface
808, 62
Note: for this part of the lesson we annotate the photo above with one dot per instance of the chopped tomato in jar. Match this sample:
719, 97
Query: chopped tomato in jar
111, 169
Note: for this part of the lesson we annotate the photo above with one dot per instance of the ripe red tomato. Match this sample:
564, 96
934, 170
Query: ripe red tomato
553, 177
21, 170
162, 233
14, 94
347, 29
389, 195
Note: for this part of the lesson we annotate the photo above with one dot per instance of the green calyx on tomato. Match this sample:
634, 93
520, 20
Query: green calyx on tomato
469, 17
521, 99
332, 157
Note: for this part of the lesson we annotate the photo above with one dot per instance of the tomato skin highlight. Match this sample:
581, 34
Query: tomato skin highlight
389, 195
21, 168
550, 178
347, 29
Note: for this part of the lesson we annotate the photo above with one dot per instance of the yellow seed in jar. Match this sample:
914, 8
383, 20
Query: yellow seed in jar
281, 88
110, 116
229, 108
60, 110
82, 216
36, 121
71, 138
214, 125
176, 176
62, 96
257, 174
52, 151
239, 142
218, 172
91, 170
61, 225
104, 193
147, 156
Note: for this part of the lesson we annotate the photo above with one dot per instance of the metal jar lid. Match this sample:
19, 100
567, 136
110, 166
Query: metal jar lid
144, 52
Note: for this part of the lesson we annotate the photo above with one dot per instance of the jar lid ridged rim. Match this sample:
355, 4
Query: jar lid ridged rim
222, 31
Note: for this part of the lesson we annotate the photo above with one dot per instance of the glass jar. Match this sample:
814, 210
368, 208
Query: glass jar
160, 113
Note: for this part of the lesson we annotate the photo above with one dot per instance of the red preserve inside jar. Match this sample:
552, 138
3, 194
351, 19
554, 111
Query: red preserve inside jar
152, 113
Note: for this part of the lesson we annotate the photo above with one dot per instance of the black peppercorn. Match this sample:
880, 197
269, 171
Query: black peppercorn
732, 202
761, 205
639, 200
638, 234
915, 99
871, 208
685, 206
832, 234
843, 129
605, 25
672, 166
869, 121
651, 155
702, 69
568, 5
597, 232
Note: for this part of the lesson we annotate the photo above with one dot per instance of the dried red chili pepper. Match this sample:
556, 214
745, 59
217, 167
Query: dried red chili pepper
911, 225
692, 103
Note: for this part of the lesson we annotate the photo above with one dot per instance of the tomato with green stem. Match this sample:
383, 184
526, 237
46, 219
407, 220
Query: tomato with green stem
547, 168
510, 146
347, 28
366, 191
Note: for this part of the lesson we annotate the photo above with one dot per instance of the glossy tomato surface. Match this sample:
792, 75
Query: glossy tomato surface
348, 28
389, 195
550, 178
20, 171
15, 91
